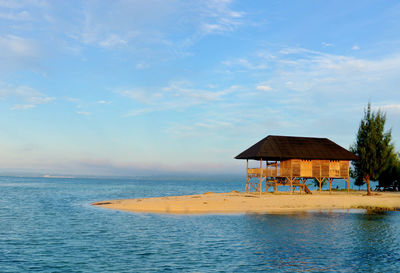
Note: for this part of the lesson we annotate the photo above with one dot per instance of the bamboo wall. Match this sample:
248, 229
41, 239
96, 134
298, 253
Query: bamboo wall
312, 168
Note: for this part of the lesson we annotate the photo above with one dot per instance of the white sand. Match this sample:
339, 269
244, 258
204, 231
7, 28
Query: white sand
235, 202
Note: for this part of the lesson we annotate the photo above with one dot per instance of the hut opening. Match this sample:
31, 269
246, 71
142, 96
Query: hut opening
291, 161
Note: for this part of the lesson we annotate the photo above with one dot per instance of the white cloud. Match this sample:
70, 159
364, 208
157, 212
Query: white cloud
355, 47
73, 100
264, 88
17, 16
194, 96
326, 44
13, 4
245, 63
112, 41
137, 112
23, 107
392, 108
307, 70
316, 88
104, 102
213, 124
81, 105
218, 17
27, 97
177, 96
141, 95
83, 113
142, 66
17, 52
17, 46
139, 25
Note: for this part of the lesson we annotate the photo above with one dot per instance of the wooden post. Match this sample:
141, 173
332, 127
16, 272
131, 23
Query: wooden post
348, 184
291, 186
330, 185
247, 177
261, 174
304, 180
301, 185
320, 182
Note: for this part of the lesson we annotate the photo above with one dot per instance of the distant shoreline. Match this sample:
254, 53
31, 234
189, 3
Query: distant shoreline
238, 202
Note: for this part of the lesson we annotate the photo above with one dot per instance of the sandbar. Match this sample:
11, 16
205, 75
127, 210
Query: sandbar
239, 202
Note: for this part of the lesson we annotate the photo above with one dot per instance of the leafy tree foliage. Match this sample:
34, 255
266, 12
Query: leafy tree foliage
373, 147
390, 177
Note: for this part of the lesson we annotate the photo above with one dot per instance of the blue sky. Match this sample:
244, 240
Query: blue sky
158, 86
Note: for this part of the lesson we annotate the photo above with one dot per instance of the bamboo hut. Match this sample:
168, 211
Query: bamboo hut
291, 161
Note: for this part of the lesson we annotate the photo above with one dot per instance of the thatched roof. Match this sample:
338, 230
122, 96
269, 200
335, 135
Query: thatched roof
288, 147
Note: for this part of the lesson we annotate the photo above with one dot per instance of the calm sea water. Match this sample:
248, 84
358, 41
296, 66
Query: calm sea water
48, 225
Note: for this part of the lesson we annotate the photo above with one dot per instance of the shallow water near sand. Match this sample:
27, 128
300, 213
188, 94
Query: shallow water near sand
48, 225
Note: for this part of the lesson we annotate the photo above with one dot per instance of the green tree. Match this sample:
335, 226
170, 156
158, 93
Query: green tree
373, 147
390, 177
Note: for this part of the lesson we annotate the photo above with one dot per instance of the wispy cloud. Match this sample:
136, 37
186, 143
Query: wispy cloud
245, 63
17, 46
17, 52
83, 113
81, 106
17, 16
104, 102
27, 96
22, 107
310, 71
112, 41
138, 25
325, 44
10, 4
219, 17
391, 108
176, 96
314, 88
76, 101
142, 66
142, 95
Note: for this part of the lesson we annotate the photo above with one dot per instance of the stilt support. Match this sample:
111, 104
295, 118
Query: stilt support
348, 184
261, 175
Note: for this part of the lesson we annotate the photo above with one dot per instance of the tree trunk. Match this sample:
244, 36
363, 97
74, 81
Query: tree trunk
368, 185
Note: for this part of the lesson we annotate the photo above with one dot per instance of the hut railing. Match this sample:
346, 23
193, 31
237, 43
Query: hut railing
266, 172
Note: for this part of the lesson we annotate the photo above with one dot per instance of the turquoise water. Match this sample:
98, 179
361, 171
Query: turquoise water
48, 225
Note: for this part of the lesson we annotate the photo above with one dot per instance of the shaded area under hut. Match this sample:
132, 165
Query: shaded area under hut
291, 161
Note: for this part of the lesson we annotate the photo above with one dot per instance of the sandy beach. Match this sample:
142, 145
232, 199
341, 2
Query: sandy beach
237, 202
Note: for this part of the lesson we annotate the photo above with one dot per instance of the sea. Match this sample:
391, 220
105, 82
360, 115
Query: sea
49, 225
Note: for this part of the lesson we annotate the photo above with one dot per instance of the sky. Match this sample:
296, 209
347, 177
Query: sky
148, 87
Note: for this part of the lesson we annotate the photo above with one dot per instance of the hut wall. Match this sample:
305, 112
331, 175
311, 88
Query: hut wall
334, 168
306, 168
312, 168
286, 168
324, 168
316, 168
344, 168
296, 167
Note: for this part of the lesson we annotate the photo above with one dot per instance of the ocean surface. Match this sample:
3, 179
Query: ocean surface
48, 225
